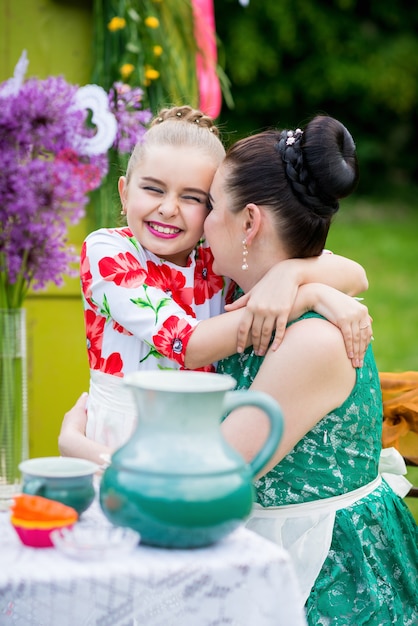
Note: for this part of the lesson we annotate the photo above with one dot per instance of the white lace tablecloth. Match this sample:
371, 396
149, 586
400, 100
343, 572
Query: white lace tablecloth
243, 580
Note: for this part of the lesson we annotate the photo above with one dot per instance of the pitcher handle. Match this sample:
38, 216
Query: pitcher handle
34, 487
261, 400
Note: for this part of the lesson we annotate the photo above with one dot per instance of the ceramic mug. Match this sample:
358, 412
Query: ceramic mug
66, 479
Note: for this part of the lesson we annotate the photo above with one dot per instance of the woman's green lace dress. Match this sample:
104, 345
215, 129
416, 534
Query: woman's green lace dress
370, 576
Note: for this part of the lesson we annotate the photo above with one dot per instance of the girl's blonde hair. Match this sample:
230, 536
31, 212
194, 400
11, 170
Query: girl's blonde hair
180, 126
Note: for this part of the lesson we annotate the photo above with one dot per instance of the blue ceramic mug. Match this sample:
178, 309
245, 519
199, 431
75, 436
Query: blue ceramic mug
65, 479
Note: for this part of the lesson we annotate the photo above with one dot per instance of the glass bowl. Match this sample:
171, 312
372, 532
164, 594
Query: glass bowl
85, 541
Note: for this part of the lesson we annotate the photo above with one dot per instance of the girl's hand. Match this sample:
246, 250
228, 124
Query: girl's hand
350, 315
267, 308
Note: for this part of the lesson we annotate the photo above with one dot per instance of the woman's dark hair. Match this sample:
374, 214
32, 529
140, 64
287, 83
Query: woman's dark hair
299, 175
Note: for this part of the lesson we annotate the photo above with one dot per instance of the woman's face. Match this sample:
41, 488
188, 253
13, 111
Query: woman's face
224, 231
166, 200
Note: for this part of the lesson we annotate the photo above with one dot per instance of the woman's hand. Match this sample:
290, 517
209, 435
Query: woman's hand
76, 418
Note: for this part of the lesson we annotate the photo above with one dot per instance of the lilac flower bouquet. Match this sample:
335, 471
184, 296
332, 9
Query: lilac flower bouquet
127, 105
51, 158
56, 143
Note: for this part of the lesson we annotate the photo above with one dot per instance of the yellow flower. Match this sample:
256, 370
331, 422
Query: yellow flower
151, 73
116, 23
152, 22
157, 51
126, 70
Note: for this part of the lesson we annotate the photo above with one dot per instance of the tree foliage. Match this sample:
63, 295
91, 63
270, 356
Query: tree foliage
354, 59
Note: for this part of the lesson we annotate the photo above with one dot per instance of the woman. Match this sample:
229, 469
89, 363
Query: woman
273, 198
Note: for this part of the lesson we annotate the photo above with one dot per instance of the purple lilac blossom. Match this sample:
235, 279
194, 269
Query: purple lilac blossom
126, 103
45, 179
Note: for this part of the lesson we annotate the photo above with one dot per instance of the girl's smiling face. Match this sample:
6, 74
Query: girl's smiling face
166, 200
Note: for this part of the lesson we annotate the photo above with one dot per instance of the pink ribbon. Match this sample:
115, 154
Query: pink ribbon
210, 96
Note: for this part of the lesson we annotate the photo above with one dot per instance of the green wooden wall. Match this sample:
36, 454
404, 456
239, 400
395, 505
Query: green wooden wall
57, 37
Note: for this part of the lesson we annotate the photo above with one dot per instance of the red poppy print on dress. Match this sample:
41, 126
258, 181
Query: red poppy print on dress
123, 269
120, 329
94, 333
94, 337
85, 275
233, 293
124, 232
206, 282
172, 282
206, 368
172, 338
112, 365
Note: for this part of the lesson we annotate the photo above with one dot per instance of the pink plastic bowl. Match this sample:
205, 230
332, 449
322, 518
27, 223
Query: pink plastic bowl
38, 537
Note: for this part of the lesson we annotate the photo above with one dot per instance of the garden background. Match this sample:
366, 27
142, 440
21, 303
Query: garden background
281, 62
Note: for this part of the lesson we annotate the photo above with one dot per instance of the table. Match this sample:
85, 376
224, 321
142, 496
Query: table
243, 580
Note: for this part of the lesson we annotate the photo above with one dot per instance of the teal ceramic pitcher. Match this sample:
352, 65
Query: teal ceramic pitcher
176, 481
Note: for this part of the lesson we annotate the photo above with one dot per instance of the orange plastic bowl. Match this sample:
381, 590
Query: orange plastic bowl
34, 518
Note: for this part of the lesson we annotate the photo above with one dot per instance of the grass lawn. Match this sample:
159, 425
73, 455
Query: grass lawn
413, 502
382, 236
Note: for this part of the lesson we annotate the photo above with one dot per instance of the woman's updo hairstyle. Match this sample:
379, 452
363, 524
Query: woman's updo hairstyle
180, 126
320, 163
299, 175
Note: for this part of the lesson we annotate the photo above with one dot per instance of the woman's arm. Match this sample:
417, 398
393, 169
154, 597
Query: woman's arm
215, 338
348, 314
308, 376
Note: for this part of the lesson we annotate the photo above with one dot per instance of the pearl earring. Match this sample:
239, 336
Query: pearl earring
244, 265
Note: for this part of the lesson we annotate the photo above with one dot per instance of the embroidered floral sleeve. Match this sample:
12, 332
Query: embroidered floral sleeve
137, 304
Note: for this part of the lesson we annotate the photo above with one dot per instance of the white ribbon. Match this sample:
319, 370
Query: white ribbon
305, 529
392, 467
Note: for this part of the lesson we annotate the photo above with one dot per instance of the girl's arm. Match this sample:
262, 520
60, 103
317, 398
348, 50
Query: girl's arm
114, 275
268, 305
215, 338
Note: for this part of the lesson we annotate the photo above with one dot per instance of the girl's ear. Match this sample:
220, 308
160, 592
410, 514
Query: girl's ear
122, 191
252, 222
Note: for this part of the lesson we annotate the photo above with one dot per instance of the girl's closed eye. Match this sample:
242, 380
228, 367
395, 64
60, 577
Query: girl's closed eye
198, 199
153, 189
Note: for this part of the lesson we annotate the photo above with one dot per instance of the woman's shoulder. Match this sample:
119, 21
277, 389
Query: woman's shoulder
318, 346
306, 316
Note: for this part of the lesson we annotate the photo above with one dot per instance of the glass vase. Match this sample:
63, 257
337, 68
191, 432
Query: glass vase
14, 444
